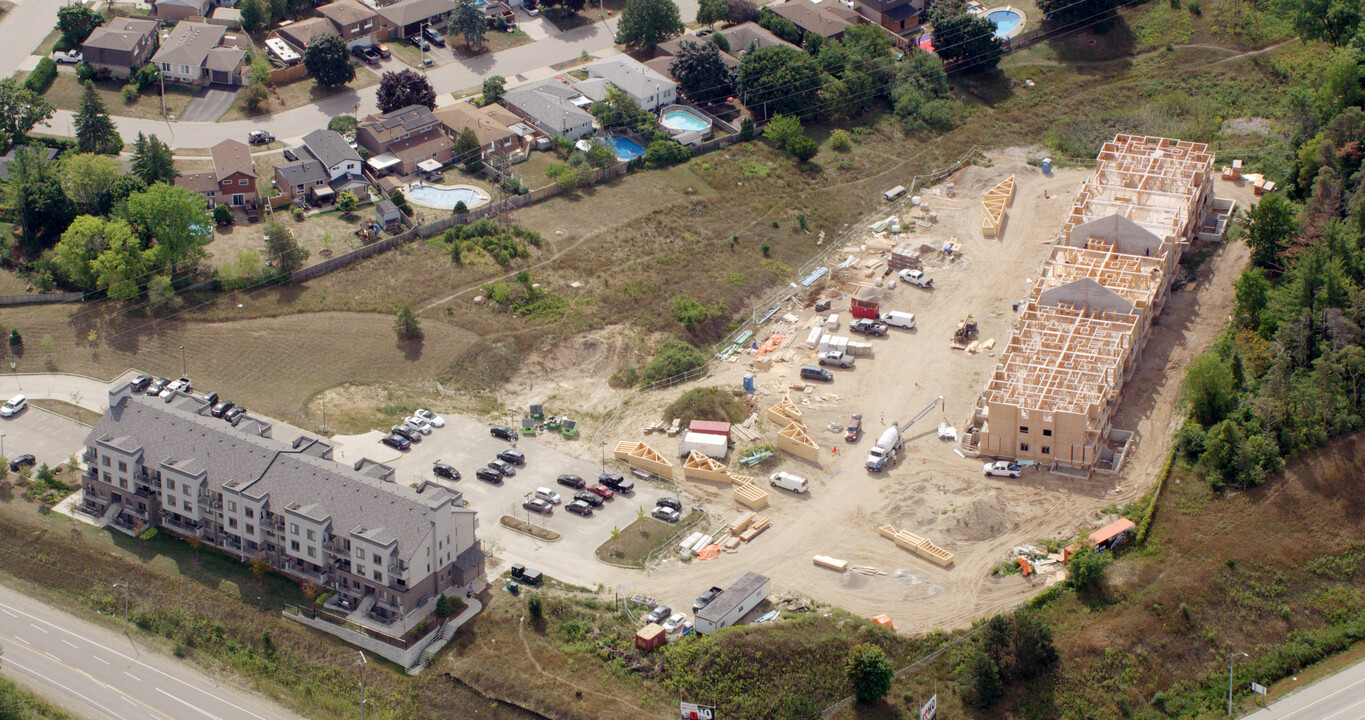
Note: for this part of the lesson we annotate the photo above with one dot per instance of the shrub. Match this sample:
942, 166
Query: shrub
42, 76
692, 314
674, 357
707, 403
534, 608
766, 248
840, 140
803, 148
84, 71
222, 214
342, 124
254, 97
662, 153
1195, 10
869, 672
746, 127
15, 339
130, 94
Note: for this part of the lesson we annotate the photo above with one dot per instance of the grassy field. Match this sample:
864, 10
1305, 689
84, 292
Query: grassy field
322, 235
299, 93
66, 92
20, 704
637, 540
494, 42
61, 407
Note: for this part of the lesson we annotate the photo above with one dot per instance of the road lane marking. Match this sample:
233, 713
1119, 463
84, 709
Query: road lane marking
97, 657
134, 677
134, 660
8, 613
44, 678
54, 657
202, 711
74, 645
1324, 697
97, 681
35, 627
16, 637
1359, 702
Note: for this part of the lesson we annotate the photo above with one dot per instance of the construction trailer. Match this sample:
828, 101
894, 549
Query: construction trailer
1061, 376
1119, 532
710, 427
707, 444
733, 604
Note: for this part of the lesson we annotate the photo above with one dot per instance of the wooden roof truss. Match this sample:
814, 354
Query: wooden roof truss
1137, 278
1155, 182
993, 204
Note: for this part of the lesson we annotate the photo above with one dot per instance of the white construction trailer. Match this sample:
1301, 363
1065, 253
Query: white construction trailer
733, 604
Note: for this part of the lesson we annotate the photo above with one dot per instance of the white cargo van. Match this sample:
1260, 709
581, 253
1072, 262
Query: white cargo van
896, 318
788, 481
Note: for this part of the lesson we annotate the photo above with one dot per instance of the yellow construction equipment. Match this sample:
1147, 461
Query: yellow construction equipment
966, 330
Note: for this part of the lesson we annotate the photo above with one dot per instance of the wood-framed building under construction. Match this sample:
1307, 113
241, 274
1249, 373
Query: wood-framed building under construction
1080, 335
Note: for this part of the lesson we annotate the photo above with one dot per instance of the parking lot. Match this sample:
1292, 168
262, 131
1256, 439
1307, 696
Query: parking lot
467, 445
49, 437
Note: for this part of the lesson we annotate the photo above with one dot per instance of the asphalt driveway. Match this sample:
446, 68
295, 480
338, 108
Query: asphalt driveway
50, 437
210, 104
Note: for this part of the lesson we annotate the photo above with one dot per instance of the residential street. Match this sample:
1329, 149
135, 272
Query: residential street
1339, 697
101, 675
23, 28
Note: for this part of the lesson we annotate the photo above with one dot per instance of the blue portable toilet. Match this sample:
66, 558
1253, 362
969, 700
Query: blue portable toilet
748, 382
1047, 165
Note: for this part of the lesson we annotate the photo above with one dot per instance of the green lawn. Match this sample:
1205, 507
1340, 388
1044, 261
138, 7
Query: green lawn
494, 42
637, 540
297, 94
66, 92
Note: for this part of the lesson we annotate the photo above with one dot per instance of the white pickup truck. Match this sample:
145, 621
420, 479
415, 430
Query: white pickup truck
917, 278
1003, 468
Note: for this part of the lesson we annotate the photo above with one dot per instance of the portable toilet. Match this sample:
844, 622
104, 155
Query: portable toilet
748, 382
1047, 165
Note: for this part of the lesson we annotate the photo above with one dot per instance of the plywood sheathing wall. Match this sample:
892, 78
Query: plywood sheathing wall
784, 412
993, 207
641, 456
793, 439
700, 467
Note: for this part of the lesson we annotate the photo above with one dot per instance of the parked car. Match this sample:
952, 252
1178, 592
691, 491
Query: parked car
535, 504
667, 514
549, 495
157, 386
181, 385
409, 433
864, 326
366, 53
397, 442
489, 475
383, 50
434, 36
14, 406
658, 614
836, 358
21, 461
916, 278
896, 318
1003, 468
431, 417
588, 497
601, 491
572, 481
502, 431
674, 623
669, 502
232, 415
211, 399
446, 471
578, 507
222, 407
141, 382
855, 429
421, 425
67, 58
810, 372
514, 456
503, 467
419, 43
705, 598
616, 482
259, 137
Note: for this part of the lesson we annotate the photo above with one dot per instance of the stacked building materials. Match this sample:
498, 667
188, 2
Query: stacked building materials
916, 544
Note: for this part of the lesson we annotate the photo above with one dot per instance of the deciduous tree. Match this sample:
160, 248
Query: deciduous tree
283, 249
646, 23
328, 62
468, 21
1061, 13
89, 181
1335, 21
869, 672
710, 12
403, 88
1268, 228
177, 219
701, 73
1208, 389
20, 110
963, 39
76, 21
122, 262
779, 79
493, 89
34, 194
347, 202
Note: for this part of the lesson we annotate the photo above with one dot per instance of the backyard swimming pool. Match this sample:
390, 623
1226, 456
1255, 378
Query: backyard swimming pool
446, 196
686, 121
626, 149
1008, 21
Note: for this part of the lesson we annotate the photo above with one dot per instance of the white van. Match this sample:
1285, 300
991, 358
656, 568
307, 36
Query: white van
896, 318
788, 481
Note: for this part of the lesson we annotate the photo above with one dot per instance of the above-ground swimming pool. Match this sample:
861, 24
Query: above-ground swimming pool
626, 149
446, 196
1008, 21
685, 121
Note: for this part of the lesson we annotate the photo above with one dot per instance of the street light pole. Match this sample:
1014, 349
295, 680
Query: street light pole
362, 664
183, 366
604, 456
125, 605
1230, 659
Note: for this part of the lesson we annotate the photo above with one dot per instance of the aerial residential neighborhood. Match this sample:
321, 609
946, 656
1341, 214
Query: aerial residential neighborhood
627, 359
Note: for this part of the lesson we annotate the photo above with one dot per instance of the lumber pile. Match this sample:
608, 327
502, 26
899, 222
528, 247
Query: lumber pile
794, 440
755, 528
675, 428
742, 523
751, 496
830, 563
699, 466
739, 479
993, 206
917, 545
643, 457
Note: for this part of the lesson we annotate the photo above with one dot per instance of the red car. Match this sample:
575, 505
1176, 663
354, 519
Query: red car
601, 491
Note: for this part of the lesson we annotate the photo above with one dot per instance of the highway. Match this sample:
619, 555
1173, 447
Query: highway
101, 675
1339, 697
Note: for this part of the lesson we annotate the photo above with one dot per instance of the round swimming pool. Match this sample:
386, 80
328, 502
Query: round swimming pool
626, 149
685, 121
446, 196
1008, 21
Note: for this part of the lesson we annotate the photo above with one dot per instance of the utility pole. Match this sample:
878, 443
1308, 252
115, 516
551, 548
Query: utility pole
183, 366
1230, 659
362, 663
124, 585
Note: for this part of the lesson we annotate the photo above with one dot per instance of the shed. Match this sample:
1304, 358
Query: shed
1110, 536
650, 637
387, 214
710, 427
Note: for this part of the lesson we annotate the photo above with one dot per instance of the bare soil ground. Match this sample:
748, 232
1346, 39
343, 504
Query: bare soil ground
933, 492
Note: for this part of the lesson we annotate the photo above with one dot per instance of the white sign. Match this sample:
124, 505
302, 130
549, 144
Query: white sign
693, 711
930, 709
1258, 688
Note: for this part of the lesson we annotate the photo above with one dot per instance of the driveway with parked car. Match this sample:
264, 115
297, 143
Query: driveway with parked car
467, 445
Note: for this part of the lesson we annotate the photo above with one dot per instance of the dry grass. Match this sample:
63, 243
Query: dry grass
640, 538
61, 407
66, 92
327, 233
526, 528
299, 93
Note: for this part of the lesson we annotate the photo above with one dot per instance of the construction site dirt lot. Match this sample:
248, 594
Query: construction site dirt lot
932, 492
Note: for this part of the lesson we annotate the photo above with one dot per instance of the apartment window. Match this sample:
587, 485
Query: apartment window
312, 552
250, 529
106, 461
378, 560
232, 523
312, 536
294, 545
251, 512
1047, 449
188, 506
1023, 447
376, 575
1047, 433
359, 554
1023, 430
232, 506
293, 528
170, 484
360, 571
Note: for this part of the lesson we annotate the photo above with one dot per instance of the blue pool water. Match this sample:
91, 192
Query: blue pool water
683, 120
1005, 21
444, 197
626, 149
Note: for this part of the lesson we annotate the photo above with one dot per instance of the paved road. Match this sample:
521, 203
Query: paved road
87, 392
23, 28
102, 675
1339, 697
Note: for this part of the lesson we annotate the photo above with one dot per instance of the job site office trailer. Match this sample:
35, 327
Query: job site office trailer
731, 605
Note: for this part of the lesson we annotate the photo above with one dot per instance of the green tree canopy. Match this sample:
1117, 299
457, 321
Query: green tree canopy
122, 264
179, 222
1335, 21
328, 62
1062, 13
1269, 226
76, 21
283, 249
961, 38
34, 194
1208, 389
493, 89
89, 181
646, 23
20, 110
73, 256
153, 160
779, 79
1086, 567
95, 131
469, 22
701, 73
710, 12
869, 672
406, 87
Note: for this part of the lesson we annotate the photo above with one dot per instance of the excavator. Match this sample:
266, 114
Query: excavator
966, 330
